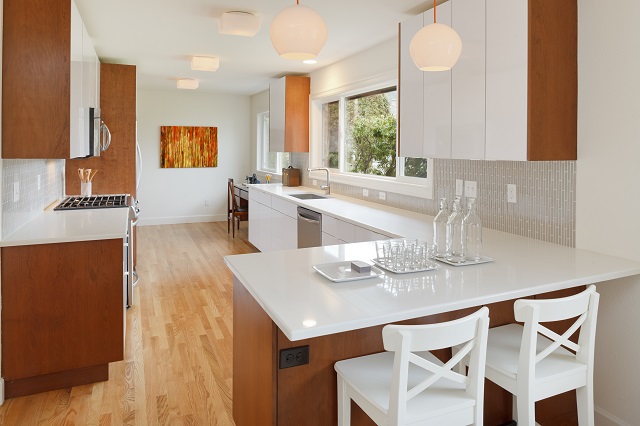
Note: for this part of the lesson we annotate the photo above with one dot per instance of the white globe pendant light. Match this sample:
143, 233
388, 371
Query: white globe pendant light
435, 47
298, 32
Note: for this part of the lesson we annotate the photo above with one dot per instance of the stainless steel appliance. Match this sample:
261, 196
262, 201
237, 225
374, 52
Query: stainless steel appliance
112, 201
309, 228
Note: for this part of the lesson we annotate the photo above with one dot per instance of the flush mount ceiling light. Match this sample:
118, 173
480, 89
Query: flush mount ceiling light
204, 63
298, 32
435, 47
239, 23
187, 83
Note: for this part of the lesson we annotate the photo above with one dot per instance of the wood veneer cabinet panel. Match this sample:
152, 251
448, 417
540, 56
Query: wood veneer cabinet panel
36, 78
117, 165
57, 316
553, 80
289, 114
254, 348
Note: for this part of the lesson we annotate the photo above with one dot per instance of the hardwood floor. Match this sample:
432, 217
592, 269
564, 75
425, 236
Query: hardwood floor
178, 361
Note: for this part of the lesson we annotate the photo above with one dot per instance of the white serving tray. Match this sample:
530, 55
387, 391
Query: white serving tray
341, 271
429, 267
483, 259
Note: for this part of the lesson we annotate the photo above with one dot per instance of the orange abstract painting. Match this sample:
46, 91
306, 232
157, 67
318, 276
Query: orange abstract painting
188, 146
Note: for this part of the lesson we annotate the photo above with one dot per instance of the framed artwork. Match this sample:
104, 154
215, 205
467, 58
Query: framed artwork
188, 146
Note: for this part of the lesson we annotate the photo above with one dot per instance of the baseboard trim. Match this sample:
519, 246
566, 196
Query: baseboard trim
60, 380
604, 418
147, 221
1, 391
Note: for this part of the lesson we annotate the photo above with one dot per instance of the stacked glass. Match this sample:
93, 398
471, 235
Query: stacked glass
404, 255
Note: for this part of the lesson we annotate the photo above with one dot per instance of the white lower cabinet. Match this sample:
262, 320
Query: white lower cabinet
272, 222
336, 231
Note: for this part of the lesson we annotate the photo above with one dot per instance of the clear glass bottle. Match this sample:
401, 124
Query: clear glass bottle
455, 246
472, 233
440, 229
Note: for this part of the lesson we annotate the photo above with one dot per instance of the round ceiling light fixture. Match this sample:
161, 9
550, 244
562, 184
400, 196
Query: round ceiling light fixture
435, 47
298, 32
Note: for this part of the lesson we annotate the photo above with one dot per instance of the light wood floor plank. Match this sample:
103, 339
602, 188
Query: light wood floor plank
178, 352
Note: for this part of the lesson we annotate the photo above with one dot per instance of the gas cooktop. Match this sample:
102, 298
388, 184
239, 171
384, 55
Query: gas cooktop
93, 202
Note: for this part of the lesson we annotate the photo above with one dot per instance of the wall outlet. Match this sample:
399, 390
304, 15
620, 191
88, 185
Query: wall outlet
382, 195
293, 357
512, 193
459, 187
206, 202
365, 192
470, 189
16, 191
315, 182
39, 184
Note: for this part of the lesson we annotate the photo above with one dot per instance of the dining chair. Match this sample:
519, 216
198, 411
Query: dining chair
533, 362
234, 213
409, 385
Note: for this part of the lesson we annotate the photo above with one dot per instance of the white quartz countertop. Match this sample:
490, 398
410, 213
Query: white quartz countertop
68, 226
379, 218
304, 304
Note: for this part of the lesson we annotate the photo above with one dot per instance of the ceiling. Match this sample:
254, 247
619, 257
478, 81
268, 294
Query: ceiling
161, 36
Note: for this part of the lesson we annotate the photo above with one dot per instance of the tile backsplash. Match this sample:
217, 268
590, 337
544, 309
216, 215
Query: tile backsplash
32, 200
546, 195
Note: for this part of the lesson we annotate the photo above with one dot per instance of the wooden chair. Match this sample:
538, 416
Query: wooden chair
534, 363
408, 386
234, 213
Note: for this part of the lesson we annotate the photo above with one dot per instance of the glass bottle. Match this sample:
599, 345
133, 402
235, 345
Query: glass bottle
472, 232
455, 246
440, 229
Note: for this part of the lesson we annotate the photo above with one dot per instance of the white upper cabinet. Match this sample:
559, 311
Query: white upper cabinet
512, 94
411, 124
468, 81
507, 49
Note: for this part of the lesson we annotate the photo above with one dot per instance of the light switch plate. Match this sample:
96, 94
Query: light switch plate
365, 192
382, 195
470, 189
459, 187
512, 193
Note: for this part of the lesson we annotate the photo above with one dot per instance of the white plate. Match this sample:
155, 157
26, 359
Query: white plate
429, 267
483, 259
341, 271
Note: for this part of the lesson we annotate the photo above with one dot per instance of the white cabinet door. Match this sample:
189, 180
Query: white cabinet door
411, 111
277, 114
330, 225
468, 81
289, 233
506, 92
363, 234
437, 100
346, 231
254, 221
330, 240
287, 207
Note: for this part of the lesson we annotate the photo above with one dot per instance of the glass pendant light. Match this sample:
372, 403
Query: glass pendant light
298, 32
436, 47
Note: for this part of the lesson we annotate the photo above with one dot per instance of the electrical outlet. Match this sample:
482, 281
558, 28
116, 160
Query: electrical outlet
315, 182
512, 193
39, 184
459, 187
293, 357
365, 192
470, 189
16, 191
206, 202
382, 195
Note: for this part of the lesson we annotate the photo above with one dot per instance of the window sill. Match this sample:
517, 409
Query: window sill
379, 183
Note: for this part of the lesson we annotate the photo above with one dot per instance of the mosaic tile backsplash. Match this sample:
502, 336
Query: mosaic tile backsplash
32, 200
546, 195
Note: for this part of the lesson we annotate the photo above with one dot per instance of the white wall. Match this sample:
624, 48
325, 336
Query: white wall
608, 191
179, 195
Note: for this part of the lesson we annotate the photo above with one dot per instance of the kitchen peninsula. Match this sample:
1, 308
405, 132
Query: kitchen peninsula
280, 302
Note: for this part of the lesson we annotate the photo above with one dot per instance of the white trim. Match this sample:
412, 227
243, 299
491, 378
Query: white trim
1, 391
390, 77
173, 220
607, 418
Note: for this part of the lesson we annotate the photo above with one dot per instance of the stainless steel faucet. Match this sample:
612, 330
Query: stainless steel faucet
327, 187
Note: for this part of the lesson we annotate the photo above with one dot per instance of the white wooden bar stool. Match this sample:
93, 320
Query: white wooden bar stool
534, 363
409, 386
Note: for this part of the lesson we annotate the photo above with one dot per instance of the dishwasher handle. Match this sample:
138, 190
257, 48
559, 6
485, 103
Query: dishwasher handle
309, 219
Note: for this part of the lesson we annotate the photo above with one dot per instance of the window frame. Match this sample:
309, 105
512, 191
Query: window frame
406, 185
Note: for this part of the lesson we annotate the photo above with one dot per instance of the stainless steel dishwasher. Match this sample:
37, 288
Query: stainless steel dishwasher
309, 228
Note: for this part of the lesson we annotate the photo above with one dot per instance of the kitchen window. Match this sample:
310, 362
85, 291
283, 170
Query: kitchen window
354, 133
271, 162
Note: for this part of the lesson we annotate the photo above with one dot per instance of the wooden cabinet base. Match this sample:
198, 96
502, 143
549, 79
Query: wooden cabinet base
62, 380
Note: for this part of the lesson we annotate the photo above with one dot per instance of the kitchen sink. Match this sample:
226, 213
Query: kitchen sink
308, 196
